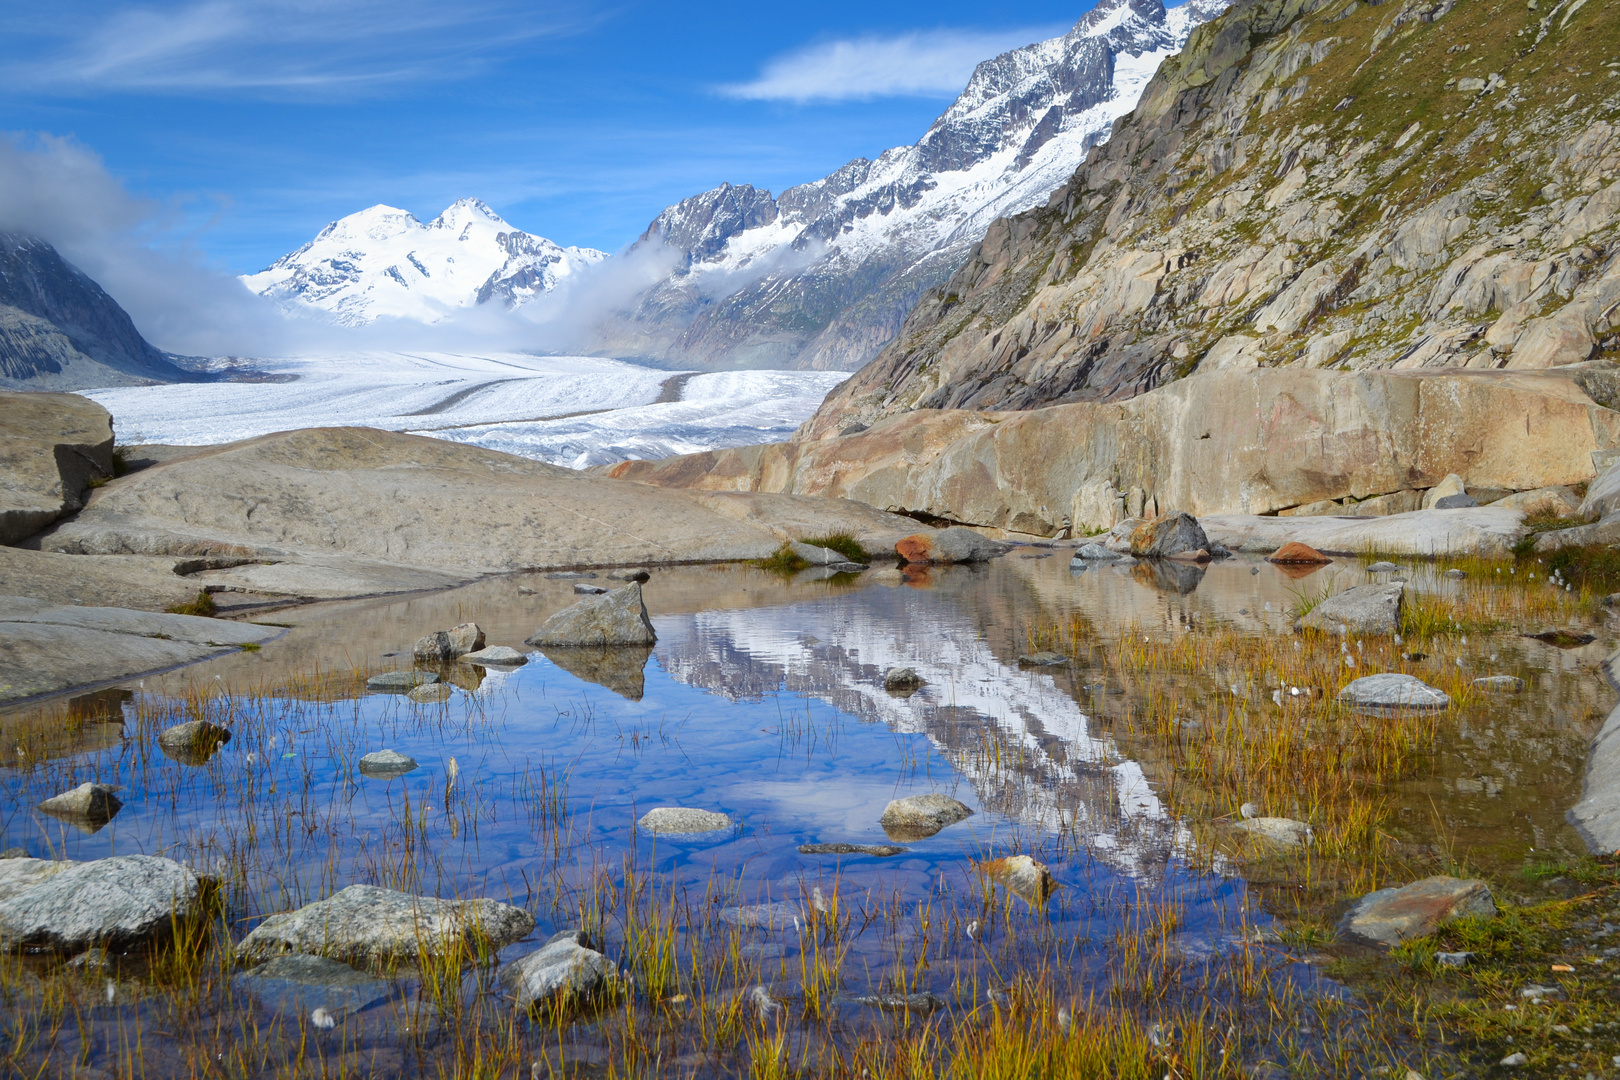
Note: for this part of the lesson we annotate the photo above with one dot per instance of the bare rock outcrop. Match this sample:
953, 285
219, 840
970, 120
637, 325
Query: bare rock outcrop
51, 447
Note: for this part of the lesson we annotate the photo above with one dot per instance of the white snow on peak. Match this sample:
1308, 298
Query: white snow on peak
383, 261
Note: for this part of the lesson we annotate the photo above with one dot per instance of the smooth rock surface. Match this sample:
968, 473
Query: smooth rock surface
1597, 815
1169, 536
51, 447
386, 764
561, 971
956, 544
294, 986
819, 556
1364, 609
113, 902
1482, 530
1556, 501
1393, 691
18, 874
88, 806
363, 924
917, 817
495, 655
616, 618
681, 819
193, 742
1391, 916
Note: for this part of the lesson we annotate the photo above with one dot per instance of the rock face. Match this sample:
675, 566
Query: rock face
363, 924
1364, 609
1219, 442
953, 545
822, 275
1234, 220
1484, 530
443, 646
614, 618
193, 742
681, 819
1169, 536
917, 817
88, 806
564, 970
295, 986
51, 447
1391, 916
60, 331
1394, 692
114, 902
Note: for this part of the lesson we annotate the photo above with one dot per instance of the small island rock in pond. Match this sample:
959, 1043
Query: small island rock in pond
443, 646
1295, 553
615, 618
1384, 568
682, 819
881, 851
563, 970
1365, 609
386, 764
295, 985
87, 807
1023, 877
366, 925
1391, 916
1393, 691
1170, 536
902, 680
1095, 552
193, 742
917, 817
496, 656
400, 682
114, 902
957, 544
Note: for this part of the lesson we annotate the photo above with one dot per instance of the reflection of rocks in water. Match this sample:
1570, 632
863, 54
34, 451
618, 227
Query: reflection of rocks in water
101, 707
1169, 575
617, 667
1298, 571
467, 676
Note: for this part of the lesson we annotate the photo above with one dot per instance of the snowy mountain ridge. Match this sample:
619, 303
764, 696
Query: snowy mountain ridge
383, 261
823, 275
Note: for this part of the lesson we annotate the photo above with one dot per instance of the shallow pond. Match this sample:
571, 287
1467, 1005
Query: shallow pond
1120, 769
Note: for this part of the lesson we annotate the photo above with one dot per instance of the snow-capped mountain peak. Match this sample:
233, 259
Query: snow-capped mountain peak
383, 261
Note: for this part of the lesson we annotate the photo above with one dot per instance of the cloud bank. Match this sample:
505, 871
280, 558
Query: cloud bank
933, 63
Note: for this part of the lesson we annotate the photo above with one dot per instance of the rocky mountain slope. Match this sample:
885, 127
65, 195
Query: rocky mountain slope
59, 330
1331, 185
384, 262
823, 275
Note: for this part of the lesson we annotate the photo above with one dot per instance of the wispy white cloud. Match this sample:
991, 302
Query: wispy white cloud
926, 63
277, 47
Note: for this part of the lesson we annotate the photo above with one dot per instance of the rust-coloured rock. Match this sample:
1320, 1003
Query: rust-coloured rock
1297, 554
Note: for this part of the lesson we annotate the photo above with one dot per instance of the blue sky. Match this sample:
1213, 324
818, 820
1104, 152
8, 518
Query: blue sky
247, 125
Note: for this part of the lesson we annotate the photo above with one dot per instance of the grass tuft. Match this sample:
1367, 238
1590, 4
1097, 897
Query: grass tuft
202, 605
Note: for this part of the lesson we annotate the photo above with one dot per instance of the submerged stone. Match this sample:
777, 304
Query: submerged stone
1500, 684
1022, 876
1279, 830
400, 682
431, 694
565, 969
777, 916
296, 985
682, 820
881, 851
1043, 659
927, 1001
1393, 691
386, 764
902, 680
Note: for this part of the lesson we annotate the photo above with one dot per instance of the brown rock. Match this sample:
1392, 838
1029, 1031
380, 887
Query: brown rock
1023, 877
1297, 553
51, 447
1391, 916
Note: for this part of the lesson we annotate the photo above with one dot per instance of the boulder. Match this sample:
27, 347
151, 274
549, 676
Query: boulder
1169, 536
563, 971
51, 447
1597, 816
19, 873
400, 682
917, 817
820, 556
295, 985
680, 820
1455, 502
443, 646
1605, 530
616, 618
1450, 487
957, 544
1285, 832
1022, 876
620, 668
1363, 609
777, 916
193, 742
1392, 691
881, 851
495, 656
1391, 916
1603, 493
1295, 552
366, 925
1118, 538
902, 680
386, 764
1096, 552
88, 806
430, 694
115, 902
1556, 501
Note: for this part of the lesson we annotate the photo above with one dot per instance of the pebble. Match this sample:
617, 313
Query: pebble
1515, 1059
1453, 959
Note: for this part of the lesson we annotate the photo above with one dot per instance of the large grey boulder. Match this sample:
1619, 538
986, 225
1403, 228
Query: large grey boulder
917, 817
1449, 488
615, 618
19, 873
1391, 916
1392, 691
364, 924
682, 819
1169, 536
88, 806
294, 986
51, 447
562, 971
113, 902
443, 646
1365, 609
193, 742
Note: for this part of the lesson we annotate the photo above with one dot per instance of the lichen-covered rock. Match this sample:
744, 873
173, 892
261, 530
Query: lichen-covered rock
565, 970
677, 820
1364, 609
1391, 916
114, 902
917, 817
1394, 691
902, 680
364, 924
1169, 536
956, 544
615, 618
